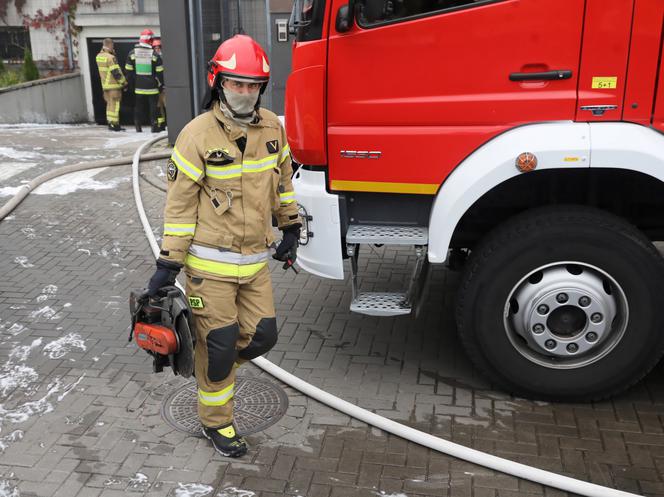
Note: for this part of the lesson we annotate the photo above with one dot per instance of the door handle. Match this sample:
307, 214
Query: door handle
539, 76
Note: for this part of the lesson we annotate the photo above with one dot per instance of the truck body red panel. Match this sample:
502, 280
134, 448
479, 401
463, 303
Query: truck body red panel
643, 61
658, 112
305, 97
606, 37
424, 92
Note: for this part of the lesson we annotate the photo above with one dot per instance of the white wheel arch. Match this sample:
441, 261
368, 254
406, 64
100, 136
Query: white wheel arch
559, 145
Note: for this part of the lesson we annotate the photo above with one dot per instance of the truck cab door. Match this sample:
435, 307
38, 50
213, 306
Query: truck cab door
414, 87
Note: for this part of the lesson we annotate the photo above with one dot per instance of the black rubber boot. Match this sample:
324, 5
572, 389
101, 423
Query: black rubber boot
117, 127
139, 129
226, 441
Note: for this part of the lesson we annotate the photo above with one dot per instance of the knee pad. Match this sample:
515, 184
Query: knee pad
263, 340
221, 351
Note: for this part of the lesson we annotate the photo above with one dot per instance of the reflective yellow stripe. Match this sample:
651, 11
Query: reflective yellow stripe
185, 166
219, 398
287, 197
153, 91
260, 161
178, 229
379, 186
284, 154
224, 268
129, 67
224, 172
160, 69
101, 59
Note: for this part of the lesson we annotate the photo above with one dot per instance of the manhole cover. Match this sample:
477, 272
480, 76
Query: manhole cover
258, 404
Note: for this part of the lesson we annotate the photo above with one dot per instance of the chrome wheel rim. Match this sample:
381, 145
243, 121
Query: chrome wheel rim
566, 315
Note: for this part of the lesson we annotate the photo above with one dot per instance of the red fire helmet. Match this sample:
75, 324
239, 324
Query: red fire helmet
146, 36
239, 58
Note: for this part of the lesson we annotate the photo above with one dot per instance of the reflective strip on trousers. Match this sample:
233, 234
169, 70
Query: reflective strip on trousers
219, 398
153, 91
217, 255
223, 268
179, 229
185, 166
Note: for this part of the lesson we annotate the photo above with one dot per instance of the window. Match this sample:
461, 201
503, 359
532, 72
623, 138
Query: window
13, 42
374, 12
307, 19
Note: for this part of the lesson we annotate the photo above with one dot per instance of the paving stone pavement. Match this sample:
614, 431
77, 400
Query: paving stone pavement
80, 409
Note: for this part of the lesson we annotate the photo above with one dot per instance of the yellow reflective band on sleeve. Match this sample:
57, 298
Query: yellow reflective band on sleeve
160, 68
101, 59
185, 166
129, 67
287, 197
283, 155
177, 229
224, 268
219, 398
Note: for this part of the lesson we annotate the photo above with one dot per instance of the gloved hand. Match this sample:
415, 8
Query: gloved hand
164, 276
287, 249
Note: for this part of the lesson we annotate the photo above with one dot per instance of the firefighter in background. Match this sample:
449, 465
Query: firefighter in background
229, 173
112, 83
161, 102
145, 74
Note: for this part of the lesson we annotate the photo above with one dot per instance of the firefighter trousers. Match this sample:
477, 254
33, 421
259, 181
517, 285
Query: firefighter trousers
161, 109
234, 322
140, 104
113, 98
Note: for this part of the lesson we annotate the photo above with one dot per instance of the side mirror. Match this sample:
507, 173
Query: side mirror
344, 19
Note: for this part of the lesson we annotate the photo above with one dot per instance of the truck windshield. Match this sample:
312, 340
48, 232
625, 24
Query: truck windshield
307, 19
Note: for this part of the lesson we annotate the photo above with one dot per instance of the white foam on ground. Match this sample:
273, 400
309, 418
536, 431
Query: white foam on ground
45, 312
12, 437
235, 492
13, 330
125, 138
192, 490
81, 180
58, 348
8, 490
19, 376
9, 169
20, 353
13, 153
23, 261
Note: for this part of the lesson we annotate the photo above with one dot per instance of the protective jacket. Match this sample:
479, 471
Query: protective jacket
109, 71
225, 182
145, 70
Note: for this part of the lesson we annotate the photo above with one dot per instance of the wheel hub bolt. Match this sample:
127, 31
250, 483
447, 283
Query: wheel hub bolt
584, 301
538, 328
572, 348
591, 336
543, 309
596, 317
562, 298
550, 344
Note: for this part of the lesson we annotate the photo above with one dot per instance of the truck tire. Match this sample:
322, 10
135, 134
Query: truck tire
563, 303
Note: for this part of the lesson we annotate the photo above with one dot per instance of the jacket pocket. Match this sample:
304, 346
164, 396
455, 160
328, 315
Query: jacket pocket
213, 238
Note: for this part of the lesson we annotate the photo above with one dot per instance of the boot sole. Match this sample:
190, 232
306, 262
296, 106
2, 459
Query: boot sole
220, 451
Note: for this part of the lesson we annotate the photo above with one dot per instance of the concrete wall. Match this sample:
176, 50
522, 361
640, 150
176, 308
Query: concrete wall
50, 100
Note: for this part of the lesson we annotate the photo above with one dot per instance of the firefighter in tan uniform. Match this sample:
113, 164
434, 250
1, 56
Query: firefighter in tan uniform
229, 173
112, 83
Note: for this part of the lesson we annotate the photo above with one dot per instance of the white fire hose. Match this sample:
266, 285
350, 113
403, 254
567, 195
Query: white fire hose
438, 444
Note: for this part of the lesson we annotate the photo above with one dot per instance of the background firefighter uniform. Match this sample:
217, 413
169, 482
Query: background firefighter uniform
112, 82
145, 73
217, 222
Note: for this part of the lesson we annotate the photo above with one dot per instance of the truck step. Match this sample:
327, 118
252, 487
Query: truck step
381, 304
388, 235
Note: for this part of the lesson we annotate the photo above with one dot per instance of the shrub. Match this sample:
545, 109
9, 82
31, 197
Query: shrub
30, 71
9, 78
2, 67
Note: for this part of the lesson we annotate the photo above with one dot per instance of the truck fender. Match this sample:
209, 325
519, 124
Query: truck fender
555, 145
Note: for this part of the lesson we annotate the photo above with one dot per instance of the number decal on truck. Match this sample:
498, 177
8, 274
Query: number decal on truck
605, 83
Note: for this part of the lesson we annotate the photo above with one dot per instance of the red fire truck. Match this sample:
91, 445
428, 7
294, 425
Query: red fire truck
525, 134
